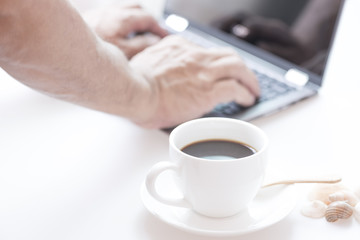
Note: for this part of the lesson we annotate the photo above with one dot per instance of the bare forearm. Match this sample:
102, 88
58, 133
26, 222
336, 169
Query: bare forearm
47, 46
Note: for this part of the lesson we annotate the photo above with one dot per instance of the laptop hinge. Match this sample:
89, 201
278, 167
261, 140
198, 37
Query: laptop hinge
296, 77
176, 23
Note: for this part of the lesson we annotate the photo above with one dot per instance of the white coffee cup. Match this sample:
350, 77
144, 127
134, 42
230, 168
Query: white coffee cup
214, 188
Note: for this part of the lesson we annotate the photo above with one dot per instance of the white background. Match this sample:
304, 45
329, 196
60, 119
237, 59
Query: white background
67, 172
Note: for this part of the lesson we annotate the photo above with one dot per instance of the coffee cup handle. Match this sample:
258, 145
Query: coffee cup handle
151, 177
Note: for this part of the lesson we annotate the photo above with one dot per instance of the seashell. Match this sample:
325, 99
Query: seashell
322, 191
314, 209
357, 212
344, 195
338, 210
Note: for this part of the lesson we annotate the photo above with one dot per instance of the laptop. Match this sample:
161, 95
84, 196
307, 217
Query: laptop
286, 44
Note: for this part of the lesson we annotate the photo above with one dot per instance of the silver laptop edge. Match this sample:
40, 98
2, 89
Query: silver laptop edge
306, 83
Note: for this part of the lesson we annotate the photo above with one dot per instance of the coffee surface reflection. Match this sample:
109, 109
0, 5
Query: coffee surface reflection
218, 149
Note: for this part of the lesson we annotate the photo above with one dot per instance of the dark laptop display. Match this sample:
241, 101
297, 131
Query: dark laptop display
286, 43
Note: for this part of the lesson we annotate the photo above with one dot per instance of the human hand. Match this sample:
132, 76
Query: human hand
128, 27
188, 81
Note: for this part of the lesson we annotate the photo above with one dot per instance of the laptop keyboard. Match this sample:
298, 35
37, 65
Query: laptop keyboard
270, 88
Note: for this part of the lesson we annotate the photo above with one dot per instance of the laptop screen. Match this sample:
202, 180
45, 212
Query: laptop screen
298, 31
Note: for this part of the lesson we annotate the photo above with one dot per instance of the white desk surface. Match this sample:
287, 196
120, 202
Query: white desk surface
67, 172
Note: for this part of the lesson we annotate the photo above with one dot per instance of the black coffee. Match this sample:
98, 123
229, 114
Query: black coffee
218, 149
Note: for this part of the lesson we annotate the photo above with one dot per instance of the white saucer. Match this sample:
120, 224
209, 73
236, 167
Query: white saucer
271, 205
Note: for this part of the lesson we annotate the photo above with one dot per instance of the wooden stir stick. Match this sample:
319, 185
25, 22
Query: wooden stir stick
318, 179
